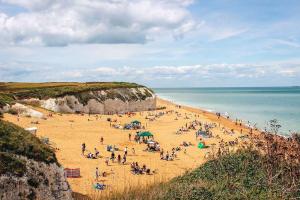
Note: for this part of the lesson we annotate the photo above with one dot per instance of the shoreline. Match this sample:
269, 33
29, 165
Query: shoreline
213, 117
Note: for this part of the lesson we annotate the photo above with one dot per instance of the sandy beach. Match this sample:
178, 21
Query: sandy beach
67, 132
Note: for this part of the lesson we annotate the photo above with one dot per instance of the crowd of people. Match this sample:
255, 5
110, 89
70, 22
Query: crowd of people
119, 157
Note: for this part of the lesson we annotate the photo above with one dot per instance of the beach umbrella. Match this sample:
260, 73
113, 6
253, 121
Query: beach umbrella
135, 122
145, 134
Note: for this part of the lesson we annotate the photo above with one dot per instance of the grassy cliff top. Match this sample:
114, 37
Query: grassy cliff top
19, 87
11, 90
15, 140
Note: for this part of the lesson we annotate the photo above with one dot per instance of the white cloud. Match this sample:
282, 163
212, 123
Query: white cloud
63, 22
172, 76
288, 43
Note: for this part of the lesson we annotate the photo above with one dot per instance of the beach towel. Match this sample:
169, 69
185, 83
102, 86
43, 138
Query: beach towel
100, 186
72, 173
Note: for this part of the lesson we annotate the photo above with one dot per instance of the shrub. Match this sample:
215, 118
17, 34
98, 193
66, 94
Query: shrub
15, 140
12, 111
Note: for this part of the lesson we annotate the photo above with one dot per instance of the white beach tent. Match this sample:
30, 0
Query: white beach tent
32, 130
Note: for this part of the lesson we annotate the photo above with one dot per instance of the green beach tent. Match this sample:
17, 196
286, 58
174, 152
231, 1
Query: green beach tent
145, 134
201, 145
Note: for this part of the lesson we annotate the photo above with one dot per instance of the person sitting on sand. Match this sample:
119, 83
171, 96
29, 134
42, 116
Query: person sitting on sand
148, 171
167, 156
90, 155
144, 168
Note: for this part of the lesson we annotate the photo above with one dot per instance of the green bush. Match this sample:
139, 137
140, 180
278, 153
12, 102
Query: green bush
242, 175
16, 140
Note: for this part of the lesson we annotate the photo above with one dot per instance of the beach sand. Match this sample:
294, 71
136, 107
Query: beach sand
68, 131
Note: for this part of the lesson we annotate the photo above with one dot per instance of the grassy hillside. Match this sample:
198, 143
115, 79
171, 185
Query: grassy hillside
15, 141
246, 174
10, 91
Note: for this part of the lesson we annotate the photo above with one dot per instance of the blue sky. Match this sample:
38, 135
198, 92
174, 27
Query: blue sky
159, 43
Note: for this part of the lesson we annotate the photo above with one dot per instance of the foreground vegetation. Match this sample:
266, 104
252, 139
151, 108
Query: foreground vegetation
14, 142
11, 91
267, 169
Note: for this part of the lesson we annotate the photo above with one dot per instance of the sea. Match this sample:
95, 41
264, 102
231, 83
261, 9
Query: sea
254, 105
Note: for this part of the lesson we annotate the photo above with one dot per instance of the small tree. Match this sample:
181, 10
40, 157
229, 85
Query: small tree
274, 126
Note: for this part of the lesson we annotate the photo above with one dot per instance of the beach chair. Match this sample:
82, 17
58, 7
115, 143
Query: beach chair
72, 173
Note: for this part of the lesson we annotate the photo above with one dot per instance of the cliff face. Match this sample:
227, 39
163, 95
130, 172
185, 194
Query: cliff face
39, 181
109, 101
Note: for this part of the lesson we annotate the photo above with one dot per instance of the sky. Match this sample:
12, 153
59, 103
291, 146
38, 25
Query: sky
157, 43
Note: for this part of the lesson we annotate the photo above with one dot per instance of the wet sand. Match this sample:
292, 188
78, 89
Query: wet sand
68, 131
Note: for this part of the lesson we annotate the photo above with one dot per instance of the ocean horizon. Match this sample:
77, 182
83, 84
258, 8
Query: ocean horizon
254, 105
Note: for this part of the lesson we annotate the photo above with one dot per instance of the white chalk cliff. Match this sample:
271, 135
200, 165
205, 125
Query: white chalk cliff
108, 101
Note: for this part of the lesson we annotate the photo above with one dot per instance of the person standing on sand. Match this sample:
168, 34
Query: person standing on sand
101, 140
107, 161
119, 159
83, 148
124, 159
96, 152
97, 174
125, 151
113, 156
162, 153
129, 136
